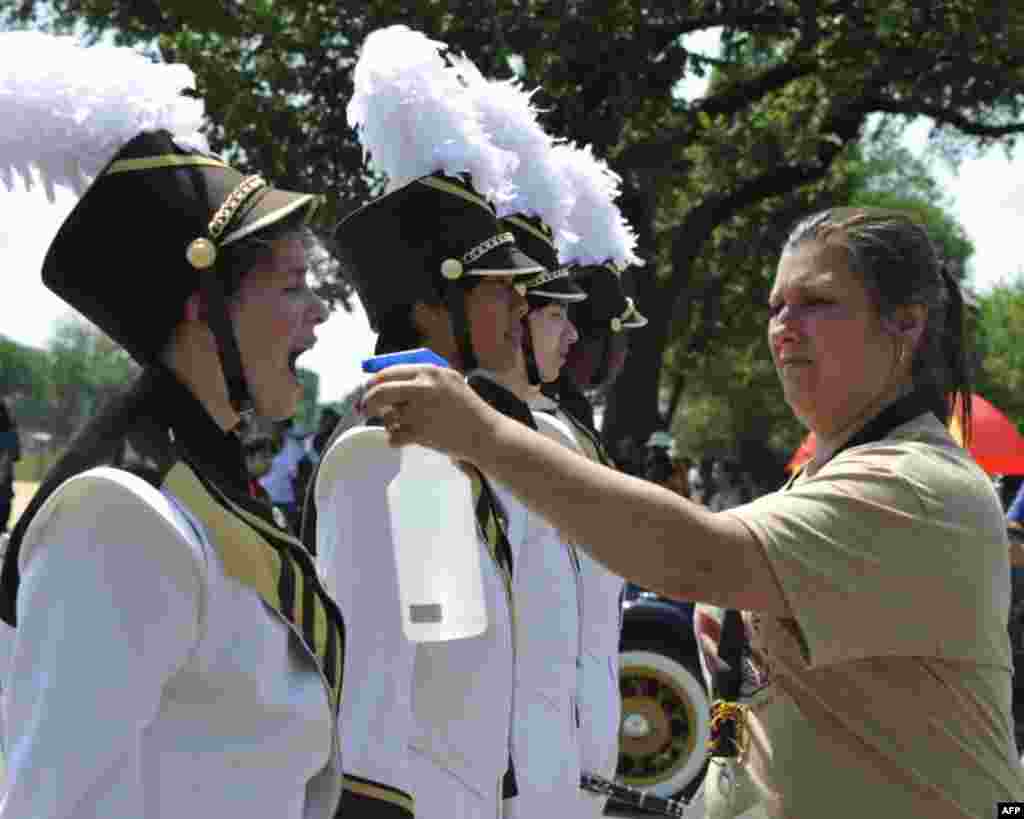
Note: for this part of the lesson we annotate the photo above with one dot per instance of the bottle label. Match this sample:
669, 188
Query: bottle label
425, 613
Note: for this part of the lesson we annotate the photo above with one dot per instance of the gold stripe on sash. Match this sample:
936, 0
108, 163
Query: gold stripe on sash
258, 569
266, 559
371, 790
593, 449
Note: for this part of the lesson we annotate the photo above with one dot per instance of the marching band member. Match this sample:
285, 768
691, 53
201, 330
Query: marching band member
174, 653
603, 322
605, 245
545, 747
427, 724
564, 205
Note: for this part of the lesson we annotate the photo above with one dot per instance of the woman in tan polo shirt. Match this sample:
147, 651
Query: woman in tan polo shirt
875, 586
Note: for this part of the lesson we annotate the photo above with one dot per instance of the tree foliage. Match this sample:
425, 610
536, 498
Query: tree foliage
1000, 335
710, 182
58, 389
87, 369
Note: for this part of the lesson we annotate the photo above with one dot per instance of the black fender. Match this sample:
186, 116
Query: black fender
647, 617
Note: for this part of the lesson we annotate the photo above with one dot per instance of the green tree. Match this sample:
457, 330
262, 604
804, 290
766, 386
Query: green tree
87, 369
308, 412
793, 91
1000, 377
25, 383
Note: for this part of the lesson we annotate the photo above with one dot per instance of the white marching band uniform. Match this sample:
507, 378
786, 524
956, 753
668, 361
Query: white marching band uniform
151, 673
109, 554
597, 686
426, 721
600, 702
545, 745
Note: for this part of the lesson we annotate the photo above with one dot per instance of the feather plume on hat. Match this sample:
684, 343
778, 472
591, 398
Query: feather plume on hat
510, 118
67, 108
596, 232
415, 116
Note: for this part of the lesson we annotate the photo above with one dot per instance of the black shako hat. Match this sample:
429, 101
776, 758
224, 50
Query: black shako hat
601, 321
555, 282
551, 285
147, 232
407, 245
607, 308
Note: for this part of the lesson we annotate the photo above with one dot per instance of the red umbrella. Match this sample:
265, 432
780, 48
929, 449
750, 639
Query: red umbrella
996, 444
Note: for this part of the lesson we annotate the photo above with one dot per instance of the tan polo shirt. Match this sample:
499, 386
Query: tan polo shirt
890, 689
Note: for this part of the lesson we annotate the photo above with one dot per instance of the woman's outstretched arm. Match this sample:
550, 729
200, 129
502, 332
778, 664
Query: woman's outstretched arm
637, 529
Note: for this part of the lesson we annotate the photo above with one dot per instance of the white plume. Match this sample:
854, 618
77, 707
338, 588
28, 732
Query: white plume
415, 117
597, 232
67, 109
510, 119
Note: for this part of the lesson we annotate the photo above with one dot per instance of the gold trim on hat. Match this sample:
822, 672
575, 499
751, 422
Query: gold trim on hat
487, 246
148, 163
555, 295
453, 269
519, 222
238, 197
455, 190
548, 276
315, 200
631, 319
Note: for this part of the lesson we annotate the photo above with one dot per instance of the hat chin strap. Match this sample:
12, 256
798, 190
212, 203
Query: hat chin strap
455, 300
604, 364
532, 370
227, 345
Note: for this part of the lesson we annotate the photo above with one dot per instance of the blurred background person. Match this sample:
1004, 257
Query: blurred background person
730, 487
658, 466
10, 452
280, 480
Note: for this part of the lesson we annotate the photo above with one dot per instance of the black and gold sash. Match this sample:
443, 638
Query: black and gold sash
587, 439
274, 564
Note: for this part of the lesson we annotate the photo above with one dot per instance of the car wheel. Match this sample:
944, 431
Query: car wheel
665, 724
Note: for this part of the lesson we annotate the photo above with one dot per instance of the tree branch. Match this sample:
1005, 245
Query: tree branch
948, 117
731, 99
845, 122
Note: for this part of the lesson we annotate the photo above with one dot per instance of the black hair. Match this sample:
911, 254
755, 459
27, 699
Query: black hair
396, 329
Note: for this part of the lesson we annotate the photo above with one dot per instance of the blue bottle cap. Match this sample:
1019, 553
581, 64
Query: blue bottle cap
418, 356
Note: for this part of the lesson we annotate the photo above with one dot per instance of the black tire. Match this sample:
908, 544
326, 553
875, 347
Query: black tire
665, 718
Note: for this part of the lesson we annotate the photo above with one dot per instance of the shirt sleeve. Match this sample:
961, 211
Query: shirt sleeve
108, 610
878, 556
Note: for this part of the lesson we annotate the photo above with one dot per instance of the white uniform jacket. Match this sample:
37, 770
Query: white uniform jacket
599, 700
145, 682
545, 746
426, 725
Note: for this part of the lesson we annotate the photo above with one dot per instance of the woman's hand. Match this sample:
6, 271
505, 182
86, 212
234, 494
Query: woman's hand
431, 406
